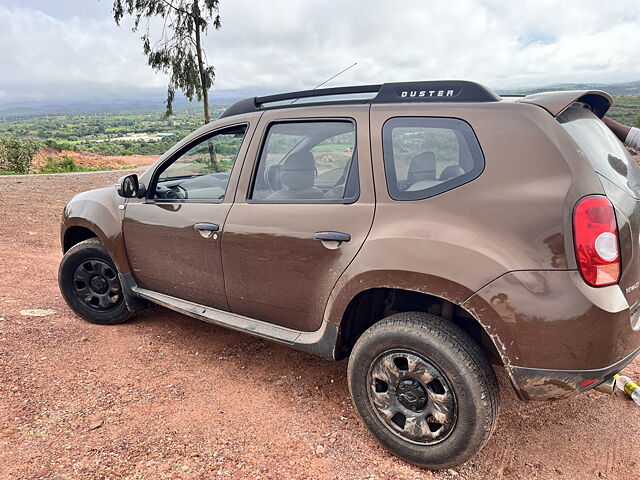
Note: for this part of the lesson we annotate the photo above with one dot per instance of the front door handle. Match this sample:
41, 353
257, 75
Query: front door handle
212, 227
335, 236
206, 229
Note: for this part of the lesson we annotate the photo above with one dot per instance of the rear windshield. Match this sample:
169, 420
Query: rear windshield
607, 155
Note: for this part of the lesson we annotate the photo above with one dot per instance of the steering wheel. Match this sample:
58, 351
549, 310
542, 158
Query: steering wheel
272, 177
176, 193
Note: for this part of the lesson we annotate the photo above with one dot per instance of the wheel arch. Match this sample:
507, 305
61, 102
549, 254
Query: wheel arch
356, 309
76, 234
107, 229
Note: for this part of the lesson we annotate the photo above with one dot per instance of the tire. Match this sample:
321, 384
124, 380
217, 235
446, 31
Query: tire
90, 285
426, 370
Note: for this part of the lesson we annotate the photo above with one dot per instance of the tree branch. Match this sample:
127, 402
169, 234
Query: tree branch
171, 5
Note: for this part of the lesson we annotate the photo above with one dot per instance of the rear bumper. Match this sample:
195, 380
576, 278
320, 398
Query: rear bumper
545, 384
553, 332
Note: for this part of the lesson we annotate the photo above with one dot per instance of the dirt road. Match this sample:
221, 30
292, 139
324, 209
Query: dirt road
166, 396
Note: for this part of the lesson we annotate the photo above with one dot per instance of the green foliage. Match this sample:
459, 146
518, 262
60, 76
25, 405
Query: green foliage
224, 164
408, 142
55, 131
178, 52
212, 151
64, 165
626, 110
67, 165
228, 146
16, 154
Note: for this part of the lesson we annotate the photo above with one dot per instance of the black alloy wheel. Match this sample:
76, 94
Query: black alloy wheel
90, 284
424, 389
96, 284
412, 397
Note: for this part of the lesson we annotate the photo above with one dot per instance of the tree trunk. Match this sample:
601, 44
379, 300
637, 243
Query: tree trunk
203, 85
213, 161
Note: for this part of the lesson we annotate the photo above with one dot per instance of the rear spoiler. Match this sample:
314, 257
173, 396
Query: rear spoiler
557, 102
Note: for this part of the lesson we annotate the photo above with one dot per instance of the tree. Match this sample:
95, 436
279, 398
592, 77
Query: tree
16, 154
178, 51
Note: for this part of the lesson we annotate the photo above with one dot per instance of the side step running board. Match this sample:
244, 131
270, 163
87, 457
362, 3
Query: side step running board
321, 342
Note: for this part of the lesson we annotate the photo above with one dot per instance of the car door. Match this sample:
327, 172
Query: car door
303, 209
172, 237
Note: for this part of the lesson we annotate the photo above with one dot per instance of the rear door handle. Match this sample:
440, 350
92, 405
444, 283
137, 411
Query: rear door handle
207, 230
335, 236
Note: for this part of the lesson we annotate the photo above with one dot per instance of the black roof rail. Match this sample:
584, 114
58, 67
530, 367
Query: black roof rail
401, 92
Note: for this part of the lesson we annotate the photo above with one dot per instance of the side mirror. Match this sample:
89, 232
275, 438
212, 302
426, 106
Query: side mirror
129, 187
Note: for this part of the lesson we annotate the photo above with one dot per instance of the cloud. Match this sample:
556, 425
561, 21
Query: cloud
45, 58
280, 44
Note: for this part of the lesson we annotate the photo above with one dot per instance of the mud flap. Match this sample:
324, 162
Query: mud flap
134, 303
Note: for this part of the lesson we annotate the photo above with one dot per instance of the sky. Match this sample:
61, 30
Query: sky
65, 51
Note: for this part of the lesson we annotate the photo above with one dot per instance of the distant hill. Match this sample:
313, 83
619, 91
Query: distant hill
126, 103
91, 108
628, 88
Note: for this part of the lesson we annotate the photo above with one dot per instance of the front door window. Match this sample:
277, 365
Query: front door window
202, 172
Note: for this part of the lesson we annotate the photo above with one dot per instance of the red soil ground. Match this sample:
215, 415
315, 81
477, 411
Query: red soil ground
167, 396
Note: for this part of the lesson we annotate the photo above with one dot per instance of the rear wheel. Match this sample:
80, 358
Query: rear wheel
90, 285
424, 389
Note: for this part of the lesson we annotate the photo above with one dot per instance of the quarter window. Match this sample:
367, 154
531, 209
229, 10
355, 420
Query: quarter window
425, 156
201, 173
307, 162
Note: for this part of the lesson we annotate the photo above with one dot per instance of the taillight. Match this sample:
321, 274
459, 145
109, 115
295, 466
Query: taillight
595, 237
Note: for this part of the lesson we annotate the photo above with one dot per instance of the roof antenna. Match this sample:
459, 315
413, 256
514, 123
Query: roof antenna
329, 79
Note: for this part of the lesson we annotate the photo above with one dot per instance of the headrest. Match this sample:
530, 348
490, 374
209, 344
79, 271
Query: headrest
452, 171
422, 167
300, 161
298, 171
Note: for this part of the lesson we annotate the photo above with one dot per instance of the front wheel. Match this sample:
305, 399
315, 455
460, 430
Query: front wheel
90, 285
424, 389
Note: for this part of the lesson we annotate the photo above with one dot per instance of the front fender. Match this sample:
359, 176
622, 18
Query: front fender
101, 212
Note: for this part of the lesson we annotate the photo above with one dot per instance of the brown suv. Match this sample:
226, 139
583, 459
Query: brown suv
420, 229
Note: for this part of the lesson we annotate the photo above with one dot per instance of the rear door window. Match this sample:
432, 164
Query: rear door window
425, 156
605, 152
308, 162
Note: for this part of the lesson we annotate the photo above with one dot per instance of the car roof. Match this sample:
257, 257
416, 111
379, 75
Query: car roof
436, 91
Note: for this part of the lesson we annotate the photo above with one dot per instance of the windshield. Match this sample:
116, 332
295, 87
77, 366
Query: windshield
604, 151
